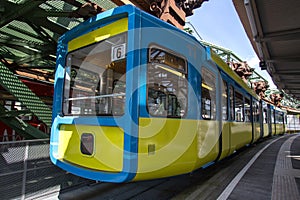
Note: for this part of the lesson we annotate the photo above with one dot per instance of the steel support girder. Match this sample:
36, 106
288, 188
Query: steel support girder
284, 59
22, 128
20, 91
279, 36
18, 10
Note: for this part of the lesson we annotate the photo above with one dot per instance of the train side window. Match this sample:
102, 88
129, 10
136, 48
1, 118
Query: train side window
166, 84
231, 102
208, 94
224, 101
248, 116
239, 107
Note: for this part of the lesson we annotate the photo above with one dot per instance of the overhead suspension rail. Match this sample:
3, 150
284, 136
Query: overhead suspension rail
171, 11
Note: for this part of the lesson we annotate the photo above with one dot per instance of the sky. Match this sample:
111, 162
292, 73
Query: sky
217, 22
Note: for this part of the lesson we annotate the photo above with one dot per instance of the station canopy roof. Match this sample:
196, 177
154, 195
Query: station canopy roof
273, 28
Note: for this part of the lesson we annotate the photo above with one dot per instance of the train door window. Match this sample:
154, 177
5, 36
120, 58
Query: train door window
279, 117
254, 108
95, 78
166, 83
224, 101
247, 106
231, 102
255, 111
265, 116
239, 107
272, 117
208, 94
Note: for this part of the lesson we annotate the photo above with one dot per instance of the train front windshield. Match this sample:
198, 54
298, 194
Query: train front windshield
95, 79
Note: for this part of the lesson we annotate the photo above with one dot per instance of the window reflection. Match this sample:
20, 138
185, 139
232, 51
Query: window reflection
167, 84
208, 94
95, 79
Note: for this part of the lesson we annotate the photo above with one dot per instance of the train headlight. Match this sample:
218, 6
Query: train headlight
87, 144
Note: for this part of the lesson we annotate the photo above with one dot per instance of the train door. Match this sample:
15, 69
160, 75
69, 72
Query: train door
224, 123
210, 133
265, 120
167, 127
261, 117
269, 119
257, 126
272, 120
279, 120
241, 131
248, 117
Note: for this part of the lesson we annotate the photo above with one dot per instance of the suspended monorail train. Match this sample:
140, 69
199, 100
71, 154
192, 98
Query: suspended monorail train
136, 98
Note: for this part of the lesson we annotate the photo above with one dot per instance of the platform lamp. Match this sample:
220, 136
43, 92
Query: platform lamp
262, 65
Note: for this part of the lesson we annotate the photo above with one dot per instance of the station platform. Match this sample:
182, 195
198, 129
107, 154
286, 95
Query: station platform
269, 169
273, 173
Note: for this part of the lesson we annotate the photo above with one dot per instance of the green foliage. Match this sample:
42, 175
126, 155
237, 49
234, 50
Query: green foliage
188, 30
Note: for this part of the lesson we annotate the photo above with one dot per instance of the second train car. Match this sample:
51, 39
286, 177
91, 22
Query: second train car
136, 99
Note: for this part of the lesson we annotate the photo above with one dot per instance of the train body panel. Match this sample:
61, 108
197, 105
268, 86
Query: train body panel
241, 134
280, 118
170, 146
279, 129
87, 154
226, 149
137, 99
265, 130
273, 129
256, 131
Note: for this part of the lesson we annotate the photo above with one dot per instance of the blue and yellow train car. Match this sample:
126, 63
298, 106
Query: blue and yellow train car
136, 98
280, 121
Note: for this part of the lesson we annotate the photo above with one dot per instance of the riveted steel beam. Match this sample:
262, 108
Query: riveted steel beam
17, 10
20, 91
11, 119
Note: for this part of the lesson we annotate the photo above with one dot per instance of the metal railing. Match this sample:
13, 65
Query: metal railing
26, 171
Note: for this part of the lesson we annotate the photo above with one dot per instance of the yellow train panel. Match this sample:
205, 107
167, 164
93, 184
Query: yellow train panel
256, 132
266, 130
169, 147
226, 138
108, 141
279, 129
208, 141
99, 34
273, 129
241, 134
